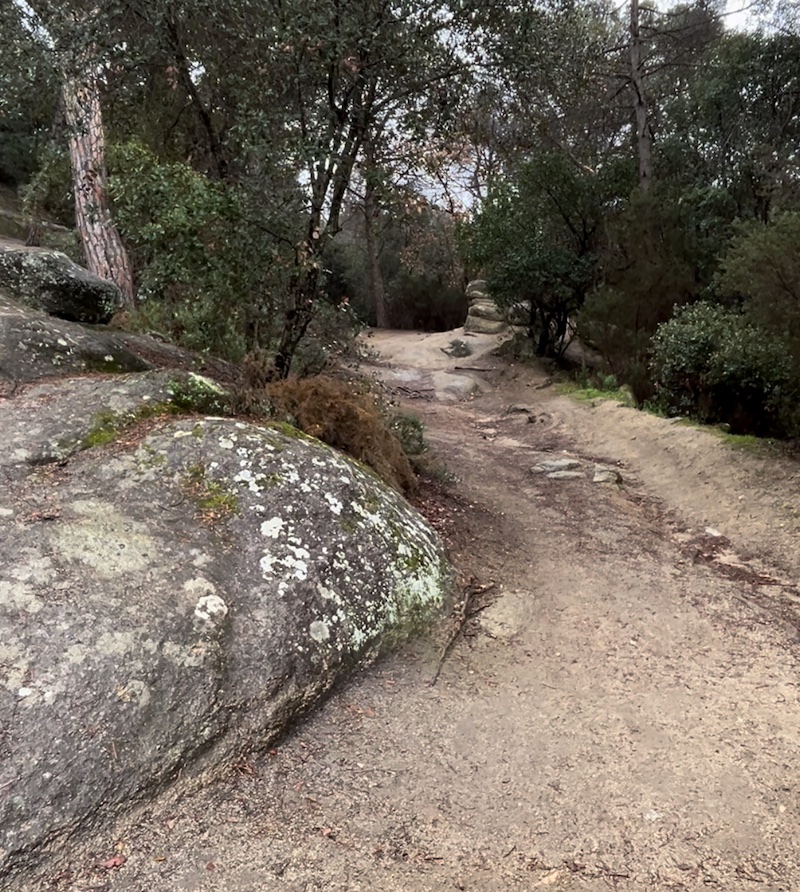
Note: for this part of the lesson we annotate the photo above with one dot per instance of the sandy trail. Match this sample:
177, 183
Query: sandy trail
622, 711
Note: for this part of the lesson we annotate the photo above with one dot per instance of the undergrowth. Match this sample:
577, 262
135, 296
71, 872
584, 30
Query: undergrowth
345, 415
593, 386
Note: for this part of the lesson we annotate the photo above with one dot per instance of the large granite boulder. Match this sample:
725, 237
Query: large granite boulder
48, 280
174, 590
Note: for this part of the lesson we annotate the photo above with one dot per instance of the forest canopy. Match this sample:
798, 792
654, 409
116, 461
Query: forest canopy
253, 172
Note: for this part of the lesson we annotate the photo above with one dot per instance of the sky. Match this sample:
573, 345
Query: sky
739, 15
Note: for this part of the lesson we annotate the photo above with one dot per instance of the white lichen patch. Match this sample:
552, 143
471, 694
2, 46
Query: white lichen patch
334, 503
272, 528
201, 383
6, 512
226, 443
210, 611
16, 597
267, 564
248, 477
105, 540
200, 559
135, 691
116, 644
293, 563
38, 569
75, 654
319, 631
328, 594
188, 657
199, 586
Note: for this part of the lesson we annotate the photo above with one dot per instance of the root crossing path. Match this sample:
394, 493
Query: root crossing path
620, 709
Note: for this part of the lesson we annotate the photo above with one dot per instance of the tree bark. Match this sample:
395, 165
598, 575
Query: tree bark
371, 219
105, 254
643, 128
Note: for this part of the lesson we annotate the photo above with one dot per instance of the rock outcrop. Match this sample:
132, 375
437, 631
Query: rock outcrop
34, 345
174, 589
48, 280
483, 315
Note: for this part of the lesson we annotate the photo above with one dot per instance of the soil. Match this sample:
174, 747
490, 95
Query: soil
619, 708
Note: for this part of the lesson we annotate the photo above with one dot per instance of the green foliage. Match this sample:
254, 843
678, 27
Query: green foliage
330, 339
204, 271
763, 267
735, 122
536, 238
28, 95
108, 426
419, 265
713, 364
410, 431
661, 253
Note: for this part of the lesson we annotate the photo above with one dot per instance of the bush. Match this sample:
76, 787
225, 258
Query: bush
762, 266
713, 364
206, 274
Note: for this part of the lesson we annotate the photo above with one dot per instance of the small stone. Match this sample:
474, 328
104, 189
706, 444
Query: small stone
565, 475
558, 464
604, 474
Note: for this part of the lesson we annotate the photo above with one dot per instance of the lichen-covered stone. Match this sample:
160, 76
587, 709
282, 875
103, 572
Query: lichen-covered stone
176, 597
48, 280
34, 345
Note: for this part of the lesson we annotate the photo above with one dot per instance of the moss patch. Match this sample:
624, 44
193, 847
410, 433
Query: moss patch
213, 499
590, 393
107, 426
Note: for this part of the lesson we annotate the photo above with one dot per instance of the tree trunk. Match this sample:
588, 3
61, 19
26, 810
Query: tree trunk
105, 254
297, 317
643, 127
371, 219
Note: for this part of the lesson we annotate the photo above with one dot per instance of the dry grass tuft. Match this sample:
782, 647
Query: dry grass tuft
346, 416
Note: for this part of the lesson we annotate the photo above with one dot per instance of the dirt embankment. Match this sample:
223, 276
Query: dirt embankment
621, 710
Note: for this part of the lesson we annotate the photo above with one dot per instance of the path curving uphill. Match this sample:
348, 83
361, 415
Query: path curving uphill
621, 710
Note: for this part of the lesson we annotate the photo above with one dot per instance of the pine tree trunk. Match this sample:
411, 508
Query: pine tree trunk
105, 254
376, 283
643, 131
372, 212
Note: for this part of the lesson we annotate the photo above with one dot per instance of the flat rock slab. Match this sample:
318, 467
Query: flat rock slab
34, 345
556, 466
604, 474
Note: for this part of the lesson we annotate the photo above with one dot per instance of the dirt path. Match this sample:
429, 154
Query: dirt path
622, 711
